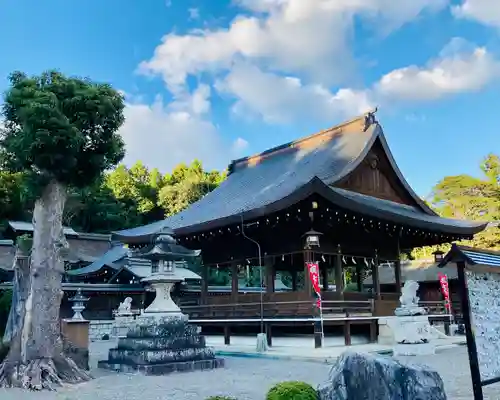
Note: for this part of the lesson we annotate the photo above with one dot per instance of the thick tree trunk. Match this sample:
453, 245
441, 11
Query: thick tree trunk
35, 360
20, 289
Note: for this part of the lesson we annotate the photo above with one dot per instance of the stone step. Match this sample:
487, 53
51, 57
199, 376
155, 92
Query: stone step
162, 369
162, 343
148, 357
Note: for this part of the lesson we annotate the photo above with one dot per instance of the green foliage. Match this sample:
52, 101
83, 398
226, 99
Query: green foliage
293, 390
187, 185
467, 197
5, 303
60, 128
96, 209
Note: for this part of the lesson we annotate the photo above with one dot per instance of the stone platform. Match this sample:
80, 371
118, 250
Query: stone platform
163, 369
157, 347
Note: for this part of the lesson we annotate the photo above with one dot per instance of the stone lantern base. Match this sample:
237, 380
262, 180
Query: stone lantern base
161, 346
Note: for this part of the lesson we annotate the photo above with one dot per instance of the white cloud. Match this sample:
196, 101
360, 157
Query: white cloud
194, 13
294, 36
279, 99
165, 135
239, 146
484, 11
461, 67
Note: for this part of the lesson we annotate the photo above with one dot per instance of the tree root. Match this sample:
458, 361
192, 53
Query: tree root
42, 374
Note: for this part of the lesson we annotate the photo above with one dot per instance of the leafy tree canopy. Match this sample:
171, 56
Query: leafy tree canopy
60, 128
472, 198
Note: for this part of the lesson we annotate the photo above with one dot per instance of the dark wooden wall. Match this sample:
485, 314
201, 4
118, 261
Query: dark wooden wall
375, 177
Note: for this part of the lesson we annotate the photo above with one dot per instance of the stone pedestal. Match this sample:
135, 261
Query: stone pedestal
75, 335
162, 306
157, 346
121, 325
412, 335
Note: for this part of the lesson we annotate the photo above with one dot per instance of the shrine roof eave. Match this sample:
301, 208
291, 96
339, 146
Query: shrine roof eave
108, 260
350, 201
141, 234
472, 256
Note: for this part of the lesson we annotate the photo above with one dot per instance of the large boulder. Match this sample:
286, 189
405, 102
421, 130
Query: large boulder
358, 376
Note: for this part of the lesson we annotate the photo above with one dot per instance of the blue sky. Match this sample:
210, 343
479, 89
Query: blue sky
218, 80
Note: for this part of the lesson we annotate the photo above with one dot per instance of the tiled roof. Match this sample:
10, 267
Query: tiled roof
402, 213
266, 178
282, 176
472, 256
21, 226
113, 255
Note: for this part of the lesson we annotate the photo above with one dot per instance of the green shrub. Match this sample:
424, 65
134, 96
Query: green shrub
220, 398
105, 337
293, 390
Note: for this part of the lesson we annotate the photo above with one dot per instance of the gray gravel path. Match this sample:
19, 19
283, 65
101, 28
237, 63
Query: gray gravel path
244, 378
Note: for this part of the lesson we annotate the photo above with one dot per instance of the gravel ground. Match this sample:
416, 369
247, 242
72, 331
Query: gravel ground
244, 378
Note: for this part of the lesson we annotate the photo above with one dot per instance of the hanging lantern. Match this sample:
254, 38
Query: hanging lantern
312, 239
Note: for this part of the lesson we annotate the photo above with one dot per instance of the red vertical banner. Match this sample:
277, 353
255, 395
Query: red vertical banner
313, 269
443, 281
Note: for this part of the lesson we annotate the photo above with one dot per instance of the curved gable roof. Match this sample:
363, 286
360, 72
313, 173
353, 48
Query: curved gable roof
282, 176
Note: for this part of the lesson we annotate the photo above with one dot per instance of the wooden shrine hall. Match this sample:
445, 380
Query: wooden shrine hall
341, 185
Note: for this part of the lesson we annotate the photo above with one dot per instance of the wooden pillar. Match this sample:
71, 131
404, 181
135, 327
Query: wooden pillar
397, 275
339, 278
204, 284
234, 282
270, 274
269, 335
294, 279
324, 275
397, 268
227, 335
308, 257
359, 278
373, 330
347, 332
376, 278
143, 300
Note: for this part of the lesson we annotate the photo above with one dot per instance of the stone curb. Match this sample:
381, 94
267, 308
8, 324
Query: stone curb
319, 360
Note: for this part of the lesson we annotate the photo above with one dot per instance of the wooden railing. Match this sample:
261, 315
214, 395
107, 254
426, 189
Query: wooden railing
284, 309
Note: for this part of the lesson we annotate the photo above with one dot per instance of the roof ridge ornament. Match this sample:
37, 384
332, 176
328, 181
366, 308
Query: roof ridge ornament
370, 118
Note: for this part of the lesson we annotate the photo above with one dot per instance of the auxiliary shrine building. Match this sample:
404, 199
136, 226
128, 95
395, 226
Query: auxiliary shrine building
342, 186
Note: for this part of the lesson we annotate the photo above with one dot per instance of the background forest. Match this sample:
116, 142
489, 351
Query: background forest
127, 197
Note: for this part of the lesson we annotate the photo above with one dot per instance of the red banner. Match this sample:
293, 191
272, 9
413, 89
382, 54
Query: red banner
313, 269
443, 281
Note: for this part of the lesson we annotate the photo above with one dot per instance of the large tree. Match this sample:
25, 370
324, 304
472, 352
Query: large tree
61, 133
472, 198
